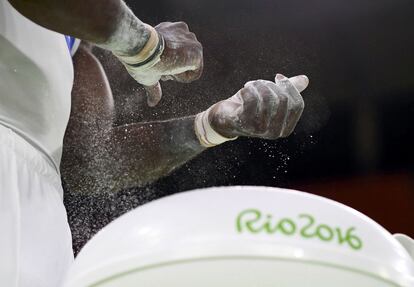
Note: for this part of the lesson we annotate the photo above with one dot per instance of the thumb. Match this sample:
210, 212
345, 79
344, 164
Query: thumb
154, 94
300, 82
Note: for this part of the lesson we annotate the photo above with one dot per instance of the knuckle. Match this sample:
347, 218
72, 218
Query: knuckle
182, 25
266, 82
192, 36
162, 24
247, 91
259, 84
249, 83
268, 93
299, 105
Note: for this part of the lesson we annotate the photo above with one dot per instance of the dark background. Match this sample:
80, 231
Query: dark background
355, 140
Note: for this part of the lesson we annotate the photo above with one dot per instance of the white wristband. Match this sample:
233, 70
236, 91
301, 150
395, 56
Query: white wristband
149, 55
207, 136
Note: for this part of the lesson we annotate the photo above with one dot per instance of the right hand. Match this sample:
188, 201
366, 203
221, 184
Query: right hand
181, 60
262, 109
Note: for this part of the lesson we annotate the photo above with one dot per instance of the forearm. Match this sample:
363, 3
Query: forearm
144, 152
103, 22
99, 157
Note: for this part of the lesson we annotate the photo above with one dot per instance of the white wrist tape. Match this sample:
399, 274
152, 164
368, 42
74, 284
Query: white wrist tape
149, 55
207, 136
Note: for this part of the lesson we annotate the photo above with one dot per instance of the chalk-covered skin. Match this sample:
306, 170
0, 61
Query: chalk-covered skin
108, 23
181, 60
262, 109
99, 156
111, 25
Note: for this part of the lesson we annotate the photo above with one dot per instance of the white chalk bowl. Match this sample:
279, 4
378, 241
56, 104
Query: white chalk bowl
246, 237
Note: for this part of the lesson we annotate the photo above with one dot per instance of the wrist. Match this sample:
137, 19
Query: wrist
207, 135
148, 55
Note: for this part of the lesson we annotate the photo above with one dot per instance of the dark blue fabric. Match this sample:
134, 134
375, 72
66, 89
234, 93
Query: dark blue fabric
70, 41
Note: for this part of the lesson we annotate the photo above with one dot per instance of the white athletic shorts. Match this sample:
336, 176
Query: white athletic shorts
35, 240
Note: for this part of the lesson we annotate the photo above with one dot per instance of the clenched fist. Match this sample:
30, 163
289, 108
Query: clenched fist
172, 53
262, 109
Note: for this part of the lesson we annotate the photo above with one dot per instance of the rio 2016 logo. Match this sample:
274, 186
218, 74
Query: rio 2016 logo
253, 221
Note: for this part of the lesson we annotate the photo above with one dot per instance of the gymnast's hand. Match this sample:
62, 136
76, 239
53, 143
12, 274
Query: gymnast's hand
262, 109
171, 53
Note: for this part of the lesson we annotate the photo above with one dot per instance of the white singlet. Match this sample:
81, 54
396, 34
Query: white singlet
36, 78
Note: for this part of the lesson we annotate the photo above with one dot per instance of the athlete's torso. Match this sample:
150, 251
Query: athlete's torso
36, 78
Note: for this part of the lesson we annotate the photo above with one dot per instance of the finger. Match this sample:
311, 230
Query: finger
154, 94
265, 104
171, 25
295, 101
287, 87
280, 113
189, 76
300, 82
292, 119
248, 110
255, 82
249, 83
